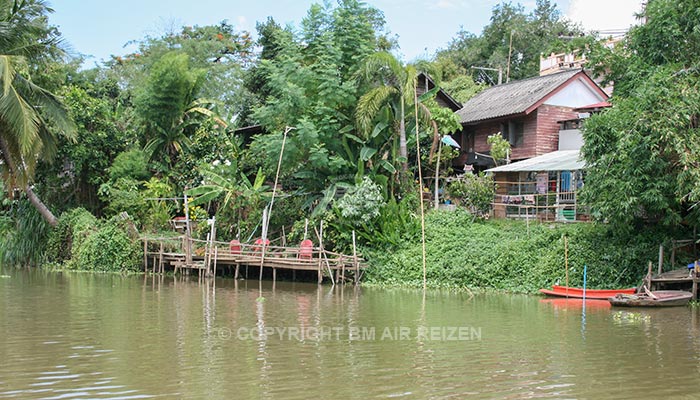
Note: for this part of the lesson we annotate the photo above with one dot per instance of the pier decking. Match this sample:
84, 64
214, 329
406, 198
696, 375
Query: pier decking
677, 279
183, 254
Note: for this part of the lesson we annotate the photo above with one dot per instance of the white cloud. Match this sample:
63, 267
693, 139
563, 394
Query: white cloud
604, 14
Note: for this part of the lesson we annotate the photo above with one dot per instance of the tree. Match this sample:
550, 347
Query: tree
308, 81
513, 40
394, 86
30, 116
643, 155
169, 107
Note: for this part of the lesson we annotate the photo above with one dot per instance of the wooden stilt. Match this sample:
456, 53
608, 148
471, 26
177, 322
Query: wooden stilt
160, 259
695, 280
661, 258
320, 253
216, 255
274, 274
354, 261
145, 255
236, 275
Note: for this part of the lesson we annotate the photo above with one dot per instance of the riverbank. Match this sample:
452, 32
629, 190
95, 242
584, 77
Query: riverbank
462, 253
515, 256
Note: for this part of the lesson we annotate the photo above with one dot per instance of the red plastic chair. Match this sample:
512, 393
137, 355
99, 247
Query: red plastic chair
235, 247
306, 249
259, 243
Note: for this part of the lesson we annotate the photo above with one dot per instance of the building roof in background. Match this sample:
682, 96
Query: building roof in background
451, 102
514, 97
562, 160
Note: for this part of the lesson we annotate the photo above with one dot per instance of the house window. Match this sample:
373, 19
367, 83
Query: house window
513, 131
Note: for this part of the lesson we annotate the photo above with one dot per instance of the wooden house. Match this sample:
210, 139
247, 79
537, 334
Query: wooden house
546, 187
526, 113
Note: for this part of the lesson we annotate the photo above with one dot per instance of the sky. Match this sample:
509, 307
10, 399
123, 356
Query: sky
100, 28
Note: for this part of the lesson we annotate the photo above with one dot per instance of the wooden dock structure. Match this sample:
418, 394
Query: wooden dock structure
183, 254
677, 279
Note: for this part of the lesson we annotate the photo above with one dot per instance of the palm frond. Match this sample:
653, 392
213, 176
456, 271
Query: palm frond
369, 105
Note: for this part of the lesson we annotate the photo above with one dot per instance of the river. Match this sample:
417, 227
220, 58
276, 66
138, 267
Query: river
81, 335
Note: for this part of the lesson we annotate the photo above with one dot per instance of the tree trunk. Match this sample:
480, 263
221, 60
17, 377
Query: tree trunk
403, 146
33, 198
40, 206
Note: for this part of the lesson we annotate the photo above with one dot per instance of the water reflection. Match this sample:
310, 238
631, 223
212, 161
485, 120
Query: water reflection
107, 336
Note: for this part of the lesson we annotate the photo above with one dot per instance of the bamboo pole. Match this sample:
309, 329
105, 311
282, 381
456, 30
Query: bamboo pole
160, 260
216, 255
322, 252
354, 255
266, 218
264, 239
145, 255
437, 175
188, 232
420, 185
566, 263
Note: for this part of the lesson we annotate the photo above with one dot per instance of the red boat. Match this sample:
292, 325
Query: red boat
593, 294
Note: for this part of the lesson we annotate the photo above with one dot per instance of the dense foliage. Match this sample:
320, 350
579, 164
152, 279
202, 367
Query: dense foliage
642, 154
206, 111
515, 256
80, 241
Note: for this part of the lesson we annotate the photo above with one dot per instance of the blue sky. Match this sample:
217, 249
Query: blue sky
100, 28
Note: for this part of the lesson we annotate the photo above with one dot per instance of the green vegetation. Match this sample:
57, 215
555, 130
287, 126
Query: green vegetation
643, 154
514, 256
112, 149
80, 241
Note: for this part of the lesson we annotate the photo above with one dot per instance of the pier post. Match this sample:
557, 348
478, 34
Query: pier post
160, 260
354, 259
145, 255
661, 258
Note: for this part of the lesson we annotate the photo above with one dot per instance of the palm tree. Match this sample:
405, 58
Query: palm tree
395, 86
27, 110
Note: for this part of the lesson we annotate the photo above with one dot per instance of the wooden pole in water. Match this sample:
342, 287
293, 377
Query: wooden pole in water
266, 218
320, 253
661, 258
420, 185
437, 176
145, 255
160, 260
264, 238
188, 232
566, 263
216, 255
354, 256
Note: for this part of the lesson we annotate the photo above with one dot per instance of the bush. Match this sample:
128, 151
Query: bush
362, 202
509, 255
80, 241
475, 192
72, 229
109, 249
23, 234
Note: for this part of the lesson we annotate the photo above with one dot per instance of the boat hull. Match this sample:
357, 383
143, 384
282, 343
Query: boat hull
665, 298
577, 293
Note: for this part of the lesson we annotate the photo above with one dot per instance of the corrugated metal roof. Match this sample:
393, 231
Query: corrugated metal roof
511, 98
562, 160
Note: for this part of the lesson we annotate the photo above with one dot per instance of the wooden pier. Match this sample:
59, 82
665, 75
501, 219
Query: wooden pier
678, 279
182, 254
